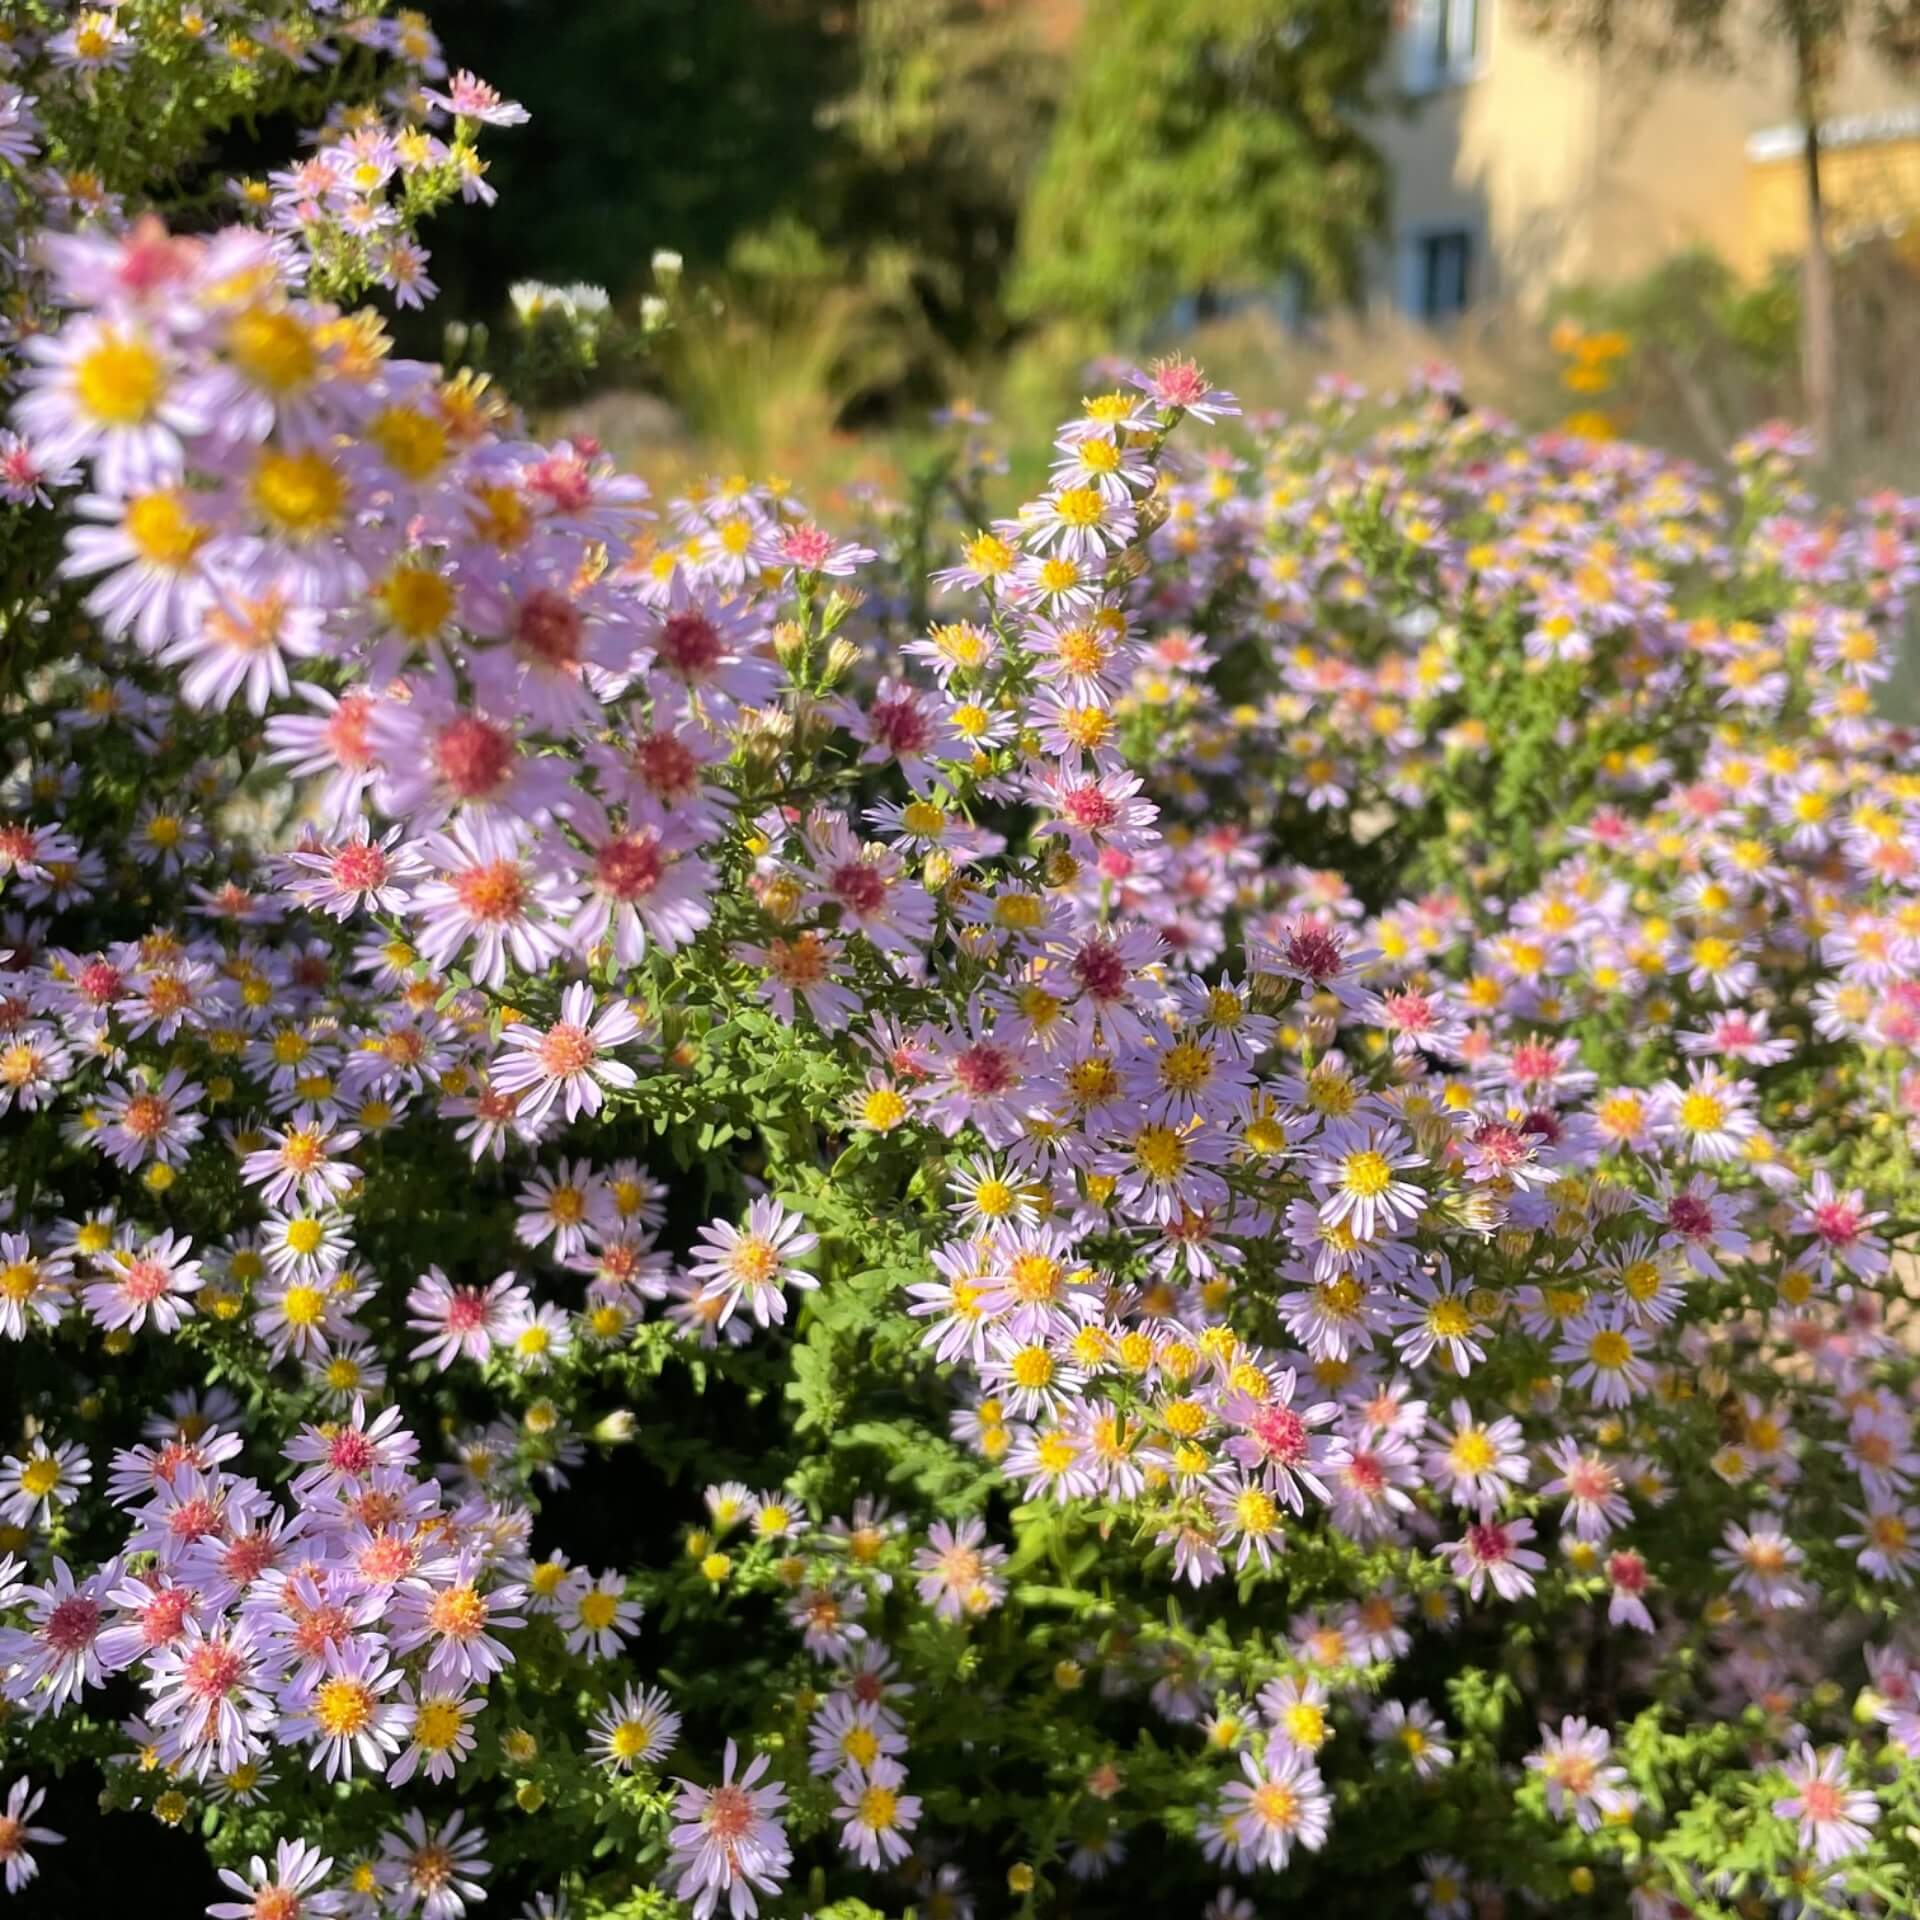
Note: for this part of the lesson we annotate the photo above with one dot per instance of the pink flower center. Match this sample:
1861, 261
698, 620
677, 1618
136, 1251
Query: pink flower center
562, 478
99, 983
690, 646
1627, 1572
350, 1451
145, 1281
983, 1069
1837, 1222
73, 1625
665, 766
194, 1519
859, 886
549, 628
1690, 1216
1488, 1543
346, 732
565, 1049
211, 1671
1533, 1060
472, 755
385, 1559
162, 1618
1821, 1799
1089, 807
359, 867
247, 1558
1282, 1434
729, 1814
900, 725
1313, 951
466, 1311
629, 868
1101, 970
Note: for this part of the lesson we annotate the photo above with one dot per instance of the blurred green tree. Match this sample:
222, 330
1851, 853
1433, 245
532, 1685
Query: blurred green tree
1207, 147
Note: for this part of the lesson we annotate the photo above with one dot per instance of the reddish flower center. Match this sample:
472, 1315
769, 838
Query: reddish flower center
1089, 807
900, 726
247, 1558
1313, 951
72, 1625
563, 479
359, 867
565, 1049
99, 983
983, 1069
664, 765
492, 892
1488, 1542
1689, 1215
1101, 970
859, 886
690, 645
466, 1311
629, 868
1821, 1799
1282, 1434
549, 628
1533, 1060
211, 1671
472, 755
145, 1281
346, 732
162, 1618
1837, 1222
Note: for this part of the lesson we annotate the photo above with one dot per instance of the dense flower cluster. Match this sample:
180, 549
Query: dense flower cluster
1239, 1201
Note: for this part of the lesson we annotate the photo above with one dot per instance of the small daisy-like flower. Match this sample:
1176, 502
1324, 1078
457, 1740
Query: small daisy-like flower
1415, 1731
18, 1834
1603, 1351
432, 1871
153, 1280
595, 1614
634, 1729
727, 1840
345, 1712
1581, 1782
1280, 1804
1355, 1174
1834, 1817
36, 1485
462, 1321
875, 1815
1494, 1553
750, 1265
290, 1888
439, 1733
957, 1570
568, 1061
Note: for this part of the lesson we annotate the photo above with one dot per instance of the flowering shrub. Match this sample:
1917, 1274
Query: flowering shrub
1226, 1220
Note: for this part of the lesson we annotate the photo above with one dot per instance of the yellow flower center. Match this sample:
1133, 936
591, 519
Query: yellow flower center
300, 493
162, 530
119, 381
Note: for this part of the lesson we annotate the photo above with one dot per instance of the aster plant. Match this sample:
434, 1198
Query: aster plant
1223, 1230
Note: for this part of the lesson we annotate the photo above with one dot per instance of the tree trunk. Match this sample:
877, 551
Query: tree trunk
1819, 353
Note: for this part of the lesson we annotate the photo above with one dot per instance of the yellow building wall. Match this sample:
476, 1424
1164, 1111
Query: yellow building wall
1867, 189
1566, 168
1504, 154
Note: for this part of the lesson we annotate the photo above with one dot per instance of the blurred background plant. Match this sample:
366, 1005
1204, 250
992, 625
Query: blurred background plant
882, 207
